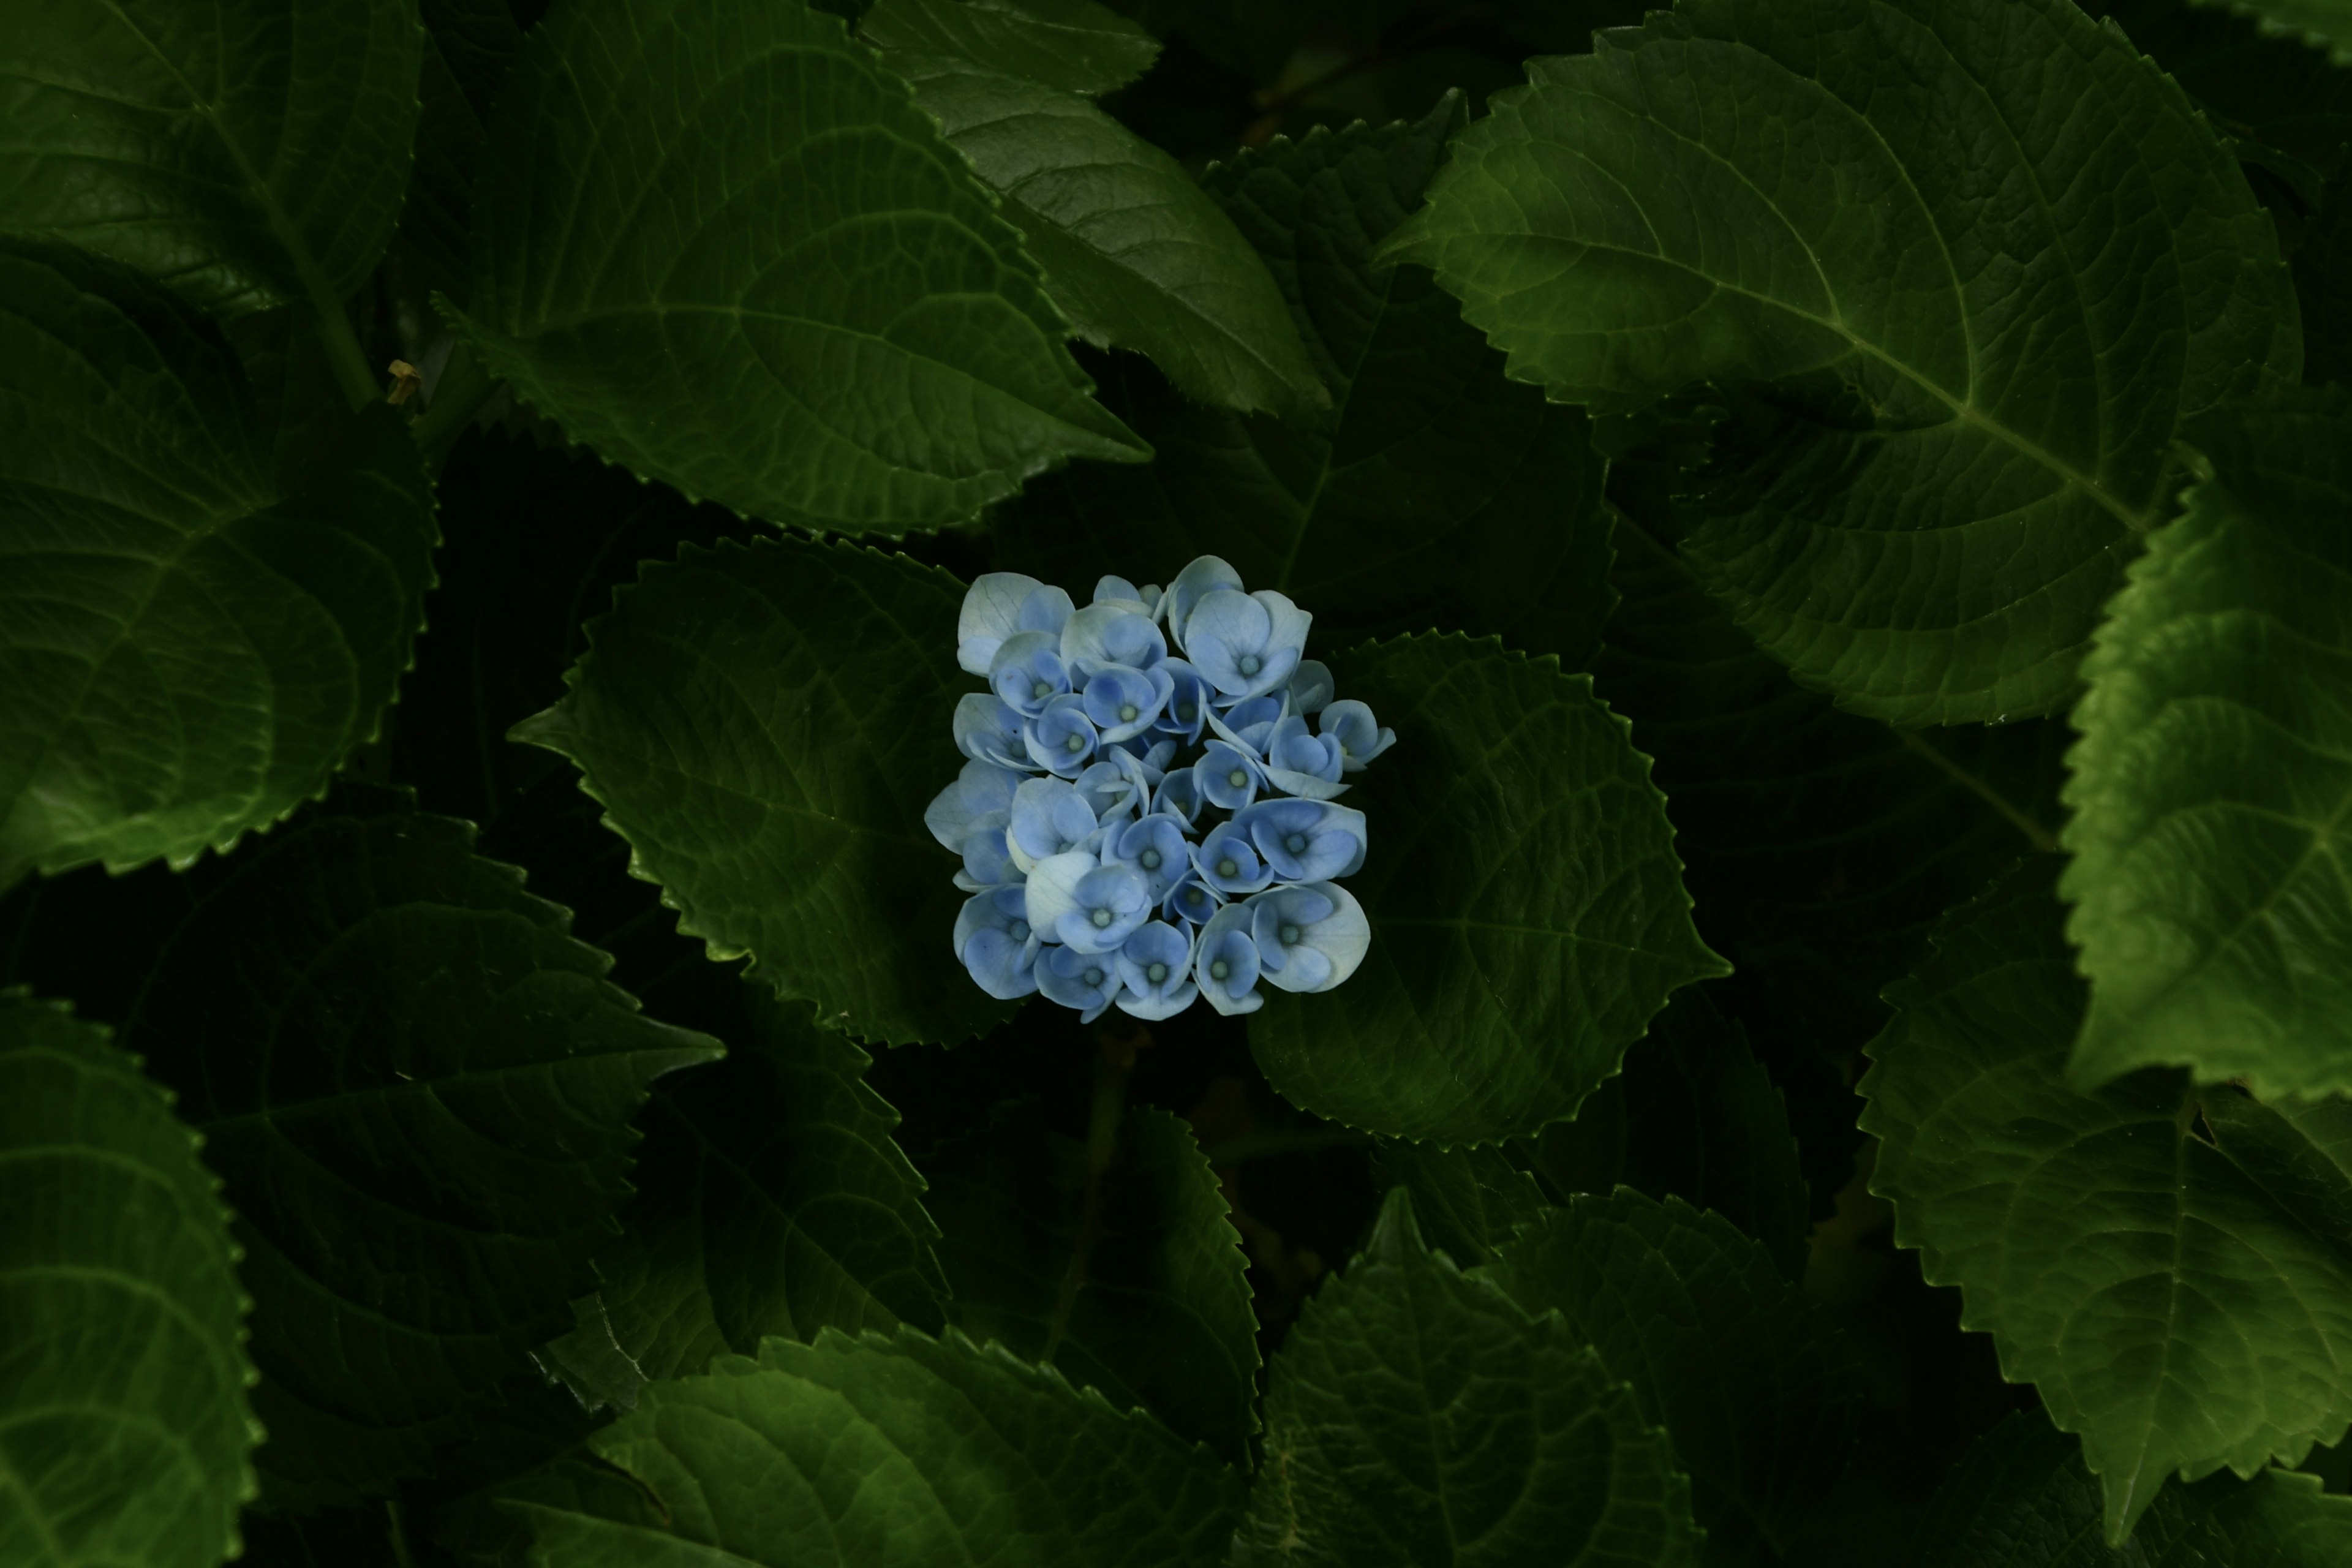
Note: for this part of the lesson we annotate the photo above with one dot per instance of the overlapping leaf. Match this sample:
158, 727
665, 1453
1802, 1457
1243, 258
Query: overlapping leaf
1990, 257
1417, 1416
1435, 492
1077, 46
719, 244
245, 153
764, 724
2325, 23
2270, 94
2211, 876
1467, 1202
187, 647
123, 1383
1154, 1312
1527, 914
897, 1452
2168, 1265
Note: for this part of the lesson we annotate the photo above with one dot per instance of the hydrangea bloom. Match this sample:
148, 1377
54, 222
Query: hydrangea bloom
1146, 816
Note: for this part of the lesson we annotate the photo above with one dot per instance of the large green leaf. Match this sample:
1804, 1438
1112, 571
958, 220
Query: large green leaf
187, 649
1433, 493
764, 724
1155, 1313
246, 152
1467, 1202
1527, 913
1077, 46
1752, 1379
417, 1090
2269, 93
2169, 1265
719, 244
1134, 253
123, 1427
1417, 1416
2212, 790
2022, 1498
468, 46
1990, 255
2327, 24
898, 1452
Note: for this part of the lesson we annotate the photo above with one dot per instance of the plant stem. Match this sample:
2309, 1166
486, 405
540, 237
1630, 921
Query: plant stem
464, 387
401, 1555
1112, 1065
360, 385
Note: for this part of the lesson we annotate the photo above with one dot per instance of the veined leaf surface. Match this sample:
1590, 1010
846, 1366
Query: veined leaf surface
1077, 46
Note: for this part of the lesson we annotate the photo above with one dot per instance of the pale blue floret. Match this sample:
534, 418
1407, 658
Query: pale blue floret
1190, 900
1155, 965
1246, 644
1119, 785
1311, 687
1225, 962
1226, 776
1048, 817
994, 940
1076, 901
987, 861
1104, 635
1126, 595
1179, 795
981, 794
1359, 736
1303, 764
1204, 576
1306, 840
1028, 672
1086, 981
987, 731
1248, 723
1124, 701
1188, 702
1227, 861
1154, 845
1310, 937
1061, 740
998, 605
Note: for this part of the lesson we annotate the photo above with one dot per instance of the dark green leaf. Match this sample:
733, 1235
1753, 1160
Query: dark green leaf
468, 46
2323, 279
246, 152
765, 725
1993, 256
2212, 877
2168, 1265
899, 1452
187, 650
1157, 1312
122, 1382
1434, 493
1468, 1201
2254, 85
1077, 46
1134, 253
1416, 1416
2324, 23
2022, 1498
1753, 1381
1526, 911
720, 245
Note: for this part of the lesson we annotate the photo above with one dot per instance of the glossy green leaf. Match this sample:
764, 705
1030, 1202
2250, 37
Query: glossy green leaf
1527, 908
2021, 1499
1135, 254
2212, 877
2324, 23
1991, 255
2168, 1265
1433, 493
1077, 46
123, 1427
187, 649
1417, 1416
898, 1452
765, 724
1156, 1313
1753, 1381
246, 152
718, 243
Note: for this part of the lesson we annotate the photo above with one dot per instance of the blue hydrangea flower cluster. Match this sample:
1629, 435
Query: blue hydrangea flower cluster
1140, 827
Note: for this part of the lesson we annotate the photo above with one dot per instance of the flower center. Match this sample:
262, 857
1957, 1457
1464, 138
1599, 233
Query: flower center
1227, 867
1093, 977
1238, 777
1156, 973
1102, 918
1289, 934
1076, 742
1195, 897
1184, 712
1249, 663
1041, 691
1219, 969
1127, 712
1295, 843
1149, 860
1018, 931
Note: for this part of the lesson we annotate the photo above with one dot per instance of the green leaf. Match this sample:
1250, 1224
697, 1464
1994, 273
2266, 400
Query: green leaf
2323, 279
765, 725
1527, 915
2168, 1265
122, 1380
1753, 1380
1157, 1312
2253, 85
1433, 493
2323, 23
468, 46
1468, 1201
417, 1090
1991, 256
770, 1200
1077, 46
757, 271
1417, 1416
2022, 1498
898, 1452
189, 649
1134, 253
2212, 877
246, 152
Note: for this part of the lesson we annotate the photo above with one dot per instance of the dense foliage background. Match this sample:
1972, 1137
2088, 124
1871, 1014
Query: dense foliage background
1846, 504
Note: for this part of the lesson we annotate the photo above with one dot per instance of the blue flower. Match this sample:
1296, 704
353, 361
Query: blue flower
1126, 595
1179, 795
1061, 740
1248, 723
987, 731
1076, 901
1154, 845
1229, 862
1188, 702
1246, 644
1190, 900
1156, 966
996, 943
1306, 840
987, 861
1028, 672
1303, 764
981, 796
1310, 937
1360, 738
1311, 687
1227, 776
1104, 635
1119, 785
1204, 574
1225, 962
1124, 701
1086, 981
1048, 817
998, 605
